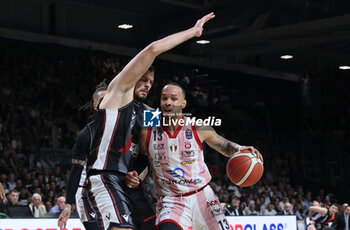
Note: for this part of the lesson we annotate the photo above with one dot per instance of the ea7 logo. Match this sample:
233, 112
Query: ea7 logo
212, 203
158, 146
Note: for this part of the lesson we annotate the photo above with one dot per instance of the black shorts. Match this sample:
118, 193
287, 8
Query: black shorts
107, 192
143, 211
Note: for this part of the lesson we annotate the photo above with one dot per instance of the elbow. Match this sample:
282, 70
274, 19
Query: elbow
154, 48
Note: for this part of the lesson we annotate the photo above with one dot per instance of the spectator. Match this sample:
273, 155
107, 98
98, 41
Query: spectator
270, 210
342, 220
287, 209
234, 208
12, 198
251, 210
11, 184
36, 207
58, 208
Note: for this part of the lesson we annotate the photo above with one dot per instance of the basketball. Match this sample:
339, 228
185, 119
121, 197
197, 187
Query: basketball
244, 169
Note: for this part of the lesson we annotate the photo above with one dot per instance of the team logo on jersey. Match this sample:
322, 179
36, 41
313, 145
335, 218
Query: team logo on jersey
126, 217
159, 164
187, 144
176, 171
158, 146
188, 162
134, 149
213, 203
173, 147
181, 181
216, 212
187, 153
151, 118
188, 133
161, 156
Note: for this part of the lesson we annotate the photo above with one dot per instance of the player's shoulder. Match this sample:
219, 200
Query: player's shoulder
86, 131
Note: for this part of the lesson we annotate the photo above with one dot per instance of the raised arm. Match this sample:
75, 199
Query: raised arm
225, 147
121, 87
318, 209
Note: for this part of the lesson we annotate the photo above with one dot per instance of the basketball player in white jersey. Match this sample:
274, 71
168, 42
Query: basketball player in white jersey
181, 177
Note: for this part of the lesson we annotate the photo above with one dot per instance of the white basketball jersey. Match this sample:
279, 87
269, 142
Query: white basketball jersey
177, 160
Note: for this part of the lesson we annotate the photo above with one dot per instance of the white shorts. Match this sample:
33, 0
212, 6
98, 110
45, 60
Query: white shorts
200, 210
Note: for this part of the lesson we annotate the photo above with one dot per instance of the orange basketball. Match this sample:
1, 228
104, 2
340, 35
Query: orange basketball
244, 169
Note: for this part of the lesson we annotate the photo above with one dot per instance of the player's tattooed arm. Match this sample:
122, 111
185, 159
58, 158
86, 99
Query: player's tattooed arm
225, 147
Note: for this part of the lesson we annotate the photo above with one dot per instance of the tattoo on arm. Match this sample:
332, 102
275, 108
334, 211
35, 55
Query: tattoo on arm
79, 162
226, 147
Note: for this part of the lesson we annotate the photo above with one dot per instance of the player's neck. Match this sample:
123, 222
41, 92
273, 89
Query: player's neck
174, 123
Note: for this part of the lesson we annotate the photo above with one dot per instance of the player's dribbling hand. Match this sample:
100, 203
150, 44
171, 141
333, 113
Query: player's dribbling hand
200, 23
132, 179
254, 151
65, 214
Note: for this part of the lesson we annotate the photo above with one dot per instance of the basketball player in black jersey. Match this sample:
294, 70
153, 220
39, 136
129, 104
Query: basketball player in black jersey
115, 130
319, 216
80, 150
142, 212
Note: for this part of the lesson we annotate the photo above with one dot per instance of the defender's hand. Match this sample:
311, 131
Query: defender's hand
132, 180
65, 214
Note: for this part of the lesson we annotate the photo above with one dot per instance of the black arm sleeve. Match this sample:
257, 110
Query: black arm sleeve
82, 144
73, 182
80, 151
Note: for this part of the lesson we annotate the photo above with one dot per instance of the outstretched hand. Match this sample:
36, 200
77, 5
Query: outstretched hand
200, 23
65, 214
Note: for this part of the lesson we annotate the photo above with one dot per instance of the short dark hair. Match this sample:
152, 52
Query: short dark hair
13, 191
100, 87
178, 85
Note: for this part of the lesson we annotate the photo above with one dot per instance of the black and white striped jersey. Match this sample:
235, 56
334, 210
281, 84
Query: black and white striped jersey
114, 146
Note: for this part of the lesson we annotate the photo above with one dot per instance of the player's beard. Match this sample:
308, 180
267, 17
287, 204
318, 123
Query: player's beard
139, 99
